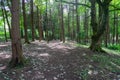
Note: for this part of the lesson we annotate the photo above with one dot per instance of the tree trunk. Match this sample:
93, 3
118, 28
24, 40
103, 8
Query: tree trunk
32, 21
99, 31
24, 22
6, 16
62, 23
46, 23
4, 25
114, 28
73, 24
69, 30
117, 29
77, 22
17, 54
59, 21
40, 30
86, 25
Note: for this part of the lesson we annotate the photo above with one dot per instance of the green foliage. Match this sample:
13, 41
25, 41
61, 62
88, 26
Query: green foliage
104, 60
84, 74
114, 47
41, 5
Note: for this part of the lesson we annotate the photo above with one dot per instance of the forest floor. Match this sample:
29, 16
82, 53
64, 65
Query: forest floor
59, 61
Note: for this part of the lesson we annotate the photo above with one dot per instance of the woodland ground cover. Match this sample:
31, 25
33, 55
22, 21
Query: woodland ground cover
59, 61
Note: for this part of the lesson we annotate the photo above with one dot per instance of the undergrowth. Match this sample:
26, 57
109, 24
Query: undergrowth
114, 47
107, 62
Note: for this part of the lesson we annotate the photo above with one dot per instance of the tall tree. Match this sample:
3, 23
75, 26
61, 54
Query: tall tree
32, 20
4, 25
6, 17
69, 30
62, 22
77, 22
73, 23
17, 53
98, 30
24, 22
40, 30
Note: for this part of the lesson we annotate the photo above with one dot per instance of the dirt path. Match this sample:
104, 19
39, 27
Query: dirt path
53, 61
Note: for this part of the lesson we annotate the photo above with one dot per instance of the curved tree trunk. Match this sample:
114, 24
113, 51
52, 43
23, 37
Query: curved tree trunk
98, 30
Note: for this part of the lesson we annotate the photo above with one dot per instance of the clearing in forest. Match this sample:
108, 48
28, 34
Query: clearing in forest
59, 61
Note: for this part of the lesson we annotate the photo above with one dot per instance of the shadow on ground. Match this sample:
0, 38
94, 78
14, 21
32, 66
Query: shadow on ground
53, 61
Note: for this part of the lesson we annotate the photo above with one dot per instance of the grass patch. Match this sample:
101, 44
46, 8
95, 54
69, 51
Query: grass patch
107, 62
83, 73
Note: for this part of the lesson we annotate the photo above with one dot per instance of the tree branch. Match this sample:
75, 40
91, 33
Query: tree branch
74, 3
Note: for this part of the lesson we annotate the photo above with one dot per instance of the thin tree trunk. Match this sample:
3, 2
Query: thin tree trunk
114, 30
6, 16
62, 23
59, 20
32, 21
77, 22
107, 34
4, 25
69, 30
46, 23
117, 32
86, 25
73, 24
24, 22
40, 30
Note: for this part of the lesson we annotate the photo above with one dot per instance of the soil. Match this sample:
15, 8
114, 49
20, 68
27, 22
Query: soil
53, 61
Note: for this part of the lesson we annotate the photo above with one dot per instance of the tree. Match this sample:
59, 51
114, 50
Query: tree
40, 30
17, 53
24, 22
6, 16
4, 25
32, 21
98, 29
77, 22
62, 23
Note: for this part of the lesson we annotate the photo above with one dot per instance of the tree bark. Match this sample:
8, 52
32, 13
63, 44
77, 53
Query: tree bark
73, 24
32, 21
24, 23
98, 30
17, 53
4, 25
69, 30
6, 16
77, 22
40, 30
62, 23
